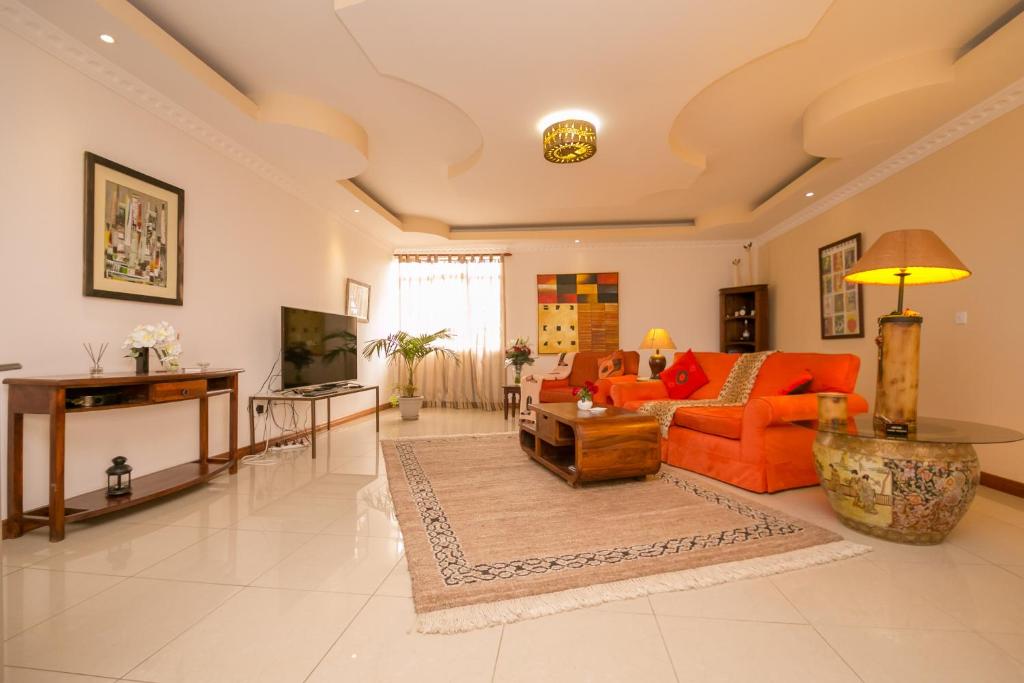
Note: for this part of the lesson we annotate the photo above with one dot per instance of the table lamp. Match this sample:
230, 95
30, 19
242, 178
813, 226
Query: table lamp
657, 338
902, 258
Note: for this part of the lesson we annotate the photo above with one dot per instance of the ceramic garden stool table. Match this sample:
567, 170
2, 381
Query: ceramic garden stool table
908, 489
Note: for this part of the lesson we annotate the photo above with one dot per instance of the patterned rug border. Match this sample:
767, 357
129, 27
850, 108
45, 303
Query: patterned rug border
484, 615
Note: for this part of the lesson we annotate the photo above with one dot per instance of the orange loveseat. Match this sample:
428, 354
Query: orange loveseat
584, 369
751, 446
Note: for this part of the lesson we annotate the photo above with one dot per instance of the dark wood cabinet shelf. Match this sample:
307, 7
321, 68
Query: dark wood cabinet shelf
144, 489
58, 397
733, 326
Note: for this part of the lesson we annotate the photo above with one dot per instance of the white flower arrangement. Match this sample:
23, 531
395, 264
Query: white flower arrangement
162, 338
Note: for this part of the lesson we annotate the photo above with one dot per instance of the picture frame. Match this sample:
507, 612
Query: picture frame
357, 298
841, 303
134, 241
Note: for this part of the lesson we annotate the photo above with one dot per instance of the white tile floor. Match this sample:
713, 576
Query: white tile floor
289, 573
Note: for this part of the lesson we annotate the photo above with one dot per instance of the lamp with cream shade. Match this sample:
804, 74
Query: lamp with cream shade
903, 258
657, 338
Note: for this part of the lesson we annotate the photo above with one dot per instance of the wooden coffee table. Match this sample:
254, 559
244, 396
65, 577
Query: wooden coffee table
582, 446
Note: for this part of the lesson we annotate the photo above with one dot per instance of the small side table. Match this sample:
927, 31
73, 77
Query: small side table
511, 394
908, 489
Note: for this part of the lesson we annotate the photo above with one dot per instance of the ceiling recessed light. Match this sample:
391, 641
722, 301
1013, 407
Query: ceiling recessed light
808, 194
107, 38
355, 210
577, 241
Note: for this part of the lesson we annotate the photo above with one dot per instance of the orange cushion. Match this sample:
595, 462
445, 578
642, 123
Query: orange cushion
610, 366
831, 371
727, 422
717, 367
630, 363
798, 385
584, 367
557, 395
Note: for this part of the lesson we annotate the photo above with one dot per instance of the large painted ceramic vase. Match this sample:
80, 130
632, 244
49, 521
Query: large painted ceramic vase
904, 491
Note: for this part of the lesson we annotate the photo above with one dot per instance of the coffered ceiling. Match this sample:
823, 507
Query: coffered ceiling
716, 118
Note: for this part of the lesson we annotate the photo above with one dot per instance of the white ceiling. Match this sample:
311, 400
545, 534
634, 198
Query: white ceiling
707, 108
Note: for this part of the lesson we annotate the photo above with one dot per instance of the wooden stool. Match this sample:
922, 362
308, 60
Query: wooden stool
511, 393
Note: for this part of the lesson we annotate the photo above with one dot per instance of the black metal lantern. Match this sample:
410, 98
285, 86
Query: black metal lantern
119, 477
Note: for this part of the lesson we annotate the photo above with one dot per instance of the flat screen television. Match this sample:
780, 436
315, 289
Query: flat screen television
317, 348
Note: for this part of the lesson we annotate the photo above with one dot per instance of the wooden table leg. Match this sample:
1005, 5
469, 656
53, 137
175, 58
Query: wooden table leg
376, 406
204, 433
312, 426
504, 401
56, 509
233, 425
15, 472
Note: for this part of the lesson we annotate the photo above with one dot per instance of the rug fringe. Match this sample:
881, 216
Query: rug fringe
478, 435
461, 619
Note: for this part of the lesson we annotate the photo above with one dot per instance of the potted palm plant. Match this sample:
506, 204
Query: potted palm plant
412, 350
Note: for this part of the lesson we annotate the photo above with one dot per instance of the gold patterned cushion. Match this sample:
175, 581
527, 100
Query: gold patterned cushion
610, 366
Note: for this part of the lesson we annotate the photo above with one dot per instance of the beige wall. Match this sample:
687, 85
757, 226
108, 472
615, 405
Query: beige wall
250, 248
675, 287
972, 194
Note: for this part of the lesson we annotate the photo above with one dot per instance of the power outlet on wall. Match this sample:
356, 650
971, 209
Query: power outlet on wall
960, 318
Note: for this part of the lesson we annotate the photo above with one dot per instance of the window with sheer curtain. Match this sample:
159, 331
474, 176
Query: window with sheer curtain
464, 293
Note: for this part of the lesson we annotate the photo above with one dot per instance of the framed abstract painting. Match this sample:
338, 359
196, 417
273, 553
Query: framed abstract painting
134, 235
577, 312
842, 302
358, 297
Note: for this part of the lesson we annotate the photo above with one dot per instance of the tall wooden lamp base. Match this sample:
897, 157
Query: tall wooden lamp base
899, 359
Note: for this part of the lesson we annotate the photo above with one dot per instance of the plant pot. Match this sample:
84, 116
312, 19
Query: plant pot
584, 405
410, 406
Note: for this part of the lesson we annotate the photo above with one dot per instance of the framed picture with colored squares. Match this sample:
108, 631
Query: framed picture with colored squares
842, 302
577, 312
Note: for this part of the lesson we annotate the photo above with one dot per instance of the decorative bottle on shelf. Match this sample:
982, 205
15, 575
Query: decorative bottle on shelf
746, 331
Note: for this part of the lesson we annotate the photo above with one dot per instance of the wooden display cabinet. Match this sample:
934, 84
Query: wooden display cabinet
743, 333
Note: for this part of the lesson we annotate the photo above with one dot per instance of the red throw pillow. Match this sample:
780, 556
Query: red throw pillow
799, 385
683, 377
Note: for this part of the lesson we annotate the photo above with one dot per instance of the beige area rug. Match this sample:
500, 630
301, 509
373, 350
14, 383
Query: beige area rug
491, 537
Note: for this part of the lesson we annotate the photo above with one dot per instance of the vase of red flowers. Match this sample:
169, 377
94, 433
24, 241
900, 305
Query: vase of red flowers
585, 395
517, 354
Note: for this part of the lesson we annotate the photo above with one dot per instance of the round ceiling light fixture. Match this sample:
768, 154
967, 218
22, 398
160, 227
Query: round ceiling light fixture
107, 38
569, 136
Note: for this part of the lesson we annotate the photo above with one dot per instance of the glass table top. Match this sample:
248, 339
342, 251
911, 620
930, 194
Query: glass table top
929, 430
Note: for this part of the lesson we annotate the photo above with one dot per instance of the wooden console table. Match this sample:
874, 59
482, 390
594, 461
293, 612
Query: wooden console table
61, 396
581, 446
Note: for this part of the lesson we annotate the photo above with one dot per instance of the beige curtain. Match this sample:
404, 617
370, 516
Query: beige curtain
464, 293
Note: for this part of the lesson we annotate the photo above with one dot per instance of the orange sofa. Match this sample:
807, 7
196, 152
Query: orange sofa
751, 446
584, 369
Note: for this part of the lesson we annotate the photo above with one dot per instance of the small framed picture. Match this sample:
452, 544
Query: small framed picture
842, 303
358, 297
134, 235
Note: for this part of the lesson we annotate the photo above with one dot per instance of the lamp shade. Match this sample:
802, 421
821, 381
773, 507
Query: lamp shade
657, 338
918, 256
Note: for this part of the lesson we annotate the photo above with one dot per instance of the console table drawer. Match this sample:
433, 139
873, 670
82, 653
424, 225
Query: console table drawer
177, 391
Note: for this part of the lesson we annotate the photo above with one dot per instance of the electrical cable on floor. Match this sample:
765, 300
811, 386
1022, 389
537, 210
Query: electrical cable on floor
270, 455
